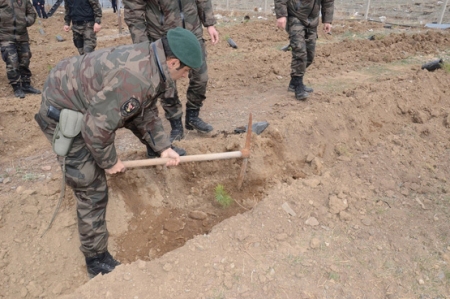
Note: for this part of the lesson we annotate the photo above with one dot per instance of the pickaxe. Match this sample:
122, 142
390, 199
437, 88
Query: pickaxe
244, 153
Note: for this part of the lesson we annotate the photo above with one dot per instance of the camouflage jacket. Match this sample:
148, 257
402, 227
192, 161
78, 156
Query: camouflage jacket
307, 11
15, 17
112, 87
84, 10
151, 19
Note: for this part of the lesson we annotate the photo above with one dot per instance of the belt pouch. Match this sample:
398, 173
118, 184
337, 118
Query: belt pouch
68, 128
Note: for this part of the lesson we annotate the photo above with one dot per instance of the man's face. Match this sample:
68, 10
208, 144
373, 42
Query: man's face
175, 72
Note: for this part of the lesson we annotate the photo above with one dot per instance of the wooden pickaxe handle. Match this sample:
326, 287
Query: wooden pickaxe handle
191, 158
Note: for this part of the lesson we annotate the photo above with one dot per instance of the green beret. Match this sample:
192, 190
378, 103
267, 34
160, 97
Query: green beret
185, 47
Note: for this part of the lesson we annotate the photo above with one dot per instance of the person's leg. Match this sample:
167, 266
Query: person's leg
44, 14
38, 10
151, 154
89, 37
173, 111
11, 58
88, 181
297, 34
196, 94
78, 40
24, 53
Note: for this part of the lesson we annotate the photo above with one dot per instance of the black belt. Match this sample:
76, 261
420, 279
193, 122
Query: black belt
80, 23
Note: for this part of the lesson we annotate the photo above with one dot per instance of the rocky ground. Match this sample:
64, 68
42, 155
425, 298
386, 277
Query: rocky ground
346, 195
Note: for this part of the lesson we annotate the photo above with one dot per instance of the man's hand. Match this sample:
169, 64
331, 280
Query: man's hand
174, 157
281, 23
97, 27
66, 28
326, 27
213, 34
118, 167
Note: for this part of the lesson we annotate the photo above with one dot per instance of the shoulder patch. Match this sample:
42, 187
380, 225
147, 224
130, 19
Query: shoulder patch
130, 107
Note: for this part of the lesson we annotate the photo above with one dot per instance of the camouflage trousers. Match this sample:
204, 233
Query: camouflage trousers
303, 44
196, 92
84, 37
89, 184
17, 57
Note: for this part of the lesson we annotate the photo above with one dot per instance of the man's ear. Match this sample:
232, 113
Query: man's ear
173, 63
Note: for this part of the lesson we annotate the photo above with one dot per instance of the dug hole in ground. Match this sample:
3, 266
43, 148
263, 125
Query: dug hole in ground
346, 194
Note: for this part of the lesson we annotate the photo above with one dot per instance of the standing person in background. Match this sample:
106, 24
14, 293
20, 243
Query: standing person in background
114, 5
39, 5
86, 17
149, 20
15, 17
300, 19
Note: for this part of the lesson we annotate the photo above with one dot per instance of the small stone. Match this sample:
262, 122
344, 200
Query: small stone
46, 168
315, 243
337, 205
127, 276
29, 192
167, 267
288, 209
174, 225
309, 158
198, 215
313, 183
312, 221
366, 221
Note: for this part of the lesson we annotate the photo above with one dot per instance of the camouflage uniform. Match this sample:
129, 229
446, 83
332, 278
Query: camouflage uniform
14, 39
83, 15
149, 20
113, 88
302, 21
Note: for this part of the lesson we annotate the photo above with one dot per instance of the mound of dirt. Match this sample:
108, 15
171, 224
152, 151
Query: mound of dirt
346, 195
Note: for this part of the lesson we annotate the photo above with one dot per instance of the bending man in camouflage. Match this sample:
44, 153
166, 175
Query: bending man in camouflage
15, 17
149, 20
86, 17
123, 93
300, 19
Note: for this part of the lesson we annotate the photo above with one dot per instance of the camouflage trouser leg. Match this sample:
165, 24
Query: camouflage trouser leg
84, 37
89, 184
198, 79
17, 57
172, 106
303, 44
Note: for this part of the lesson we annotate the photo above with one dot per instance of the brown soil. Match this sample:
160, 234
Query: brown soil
346, 194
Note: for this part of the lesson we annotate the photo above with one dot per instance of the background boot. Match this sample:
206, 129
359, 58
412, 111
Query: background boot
151, 154
102, 263
194, 122
300, 92
177, 132
18, 92
292, 85
27, 88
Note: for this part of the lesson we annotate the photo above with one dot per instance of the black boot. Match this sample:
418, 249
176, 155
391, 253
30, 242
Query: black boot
27, 88
177, 132
18, 92
151, 154
194, 122
292, 85
102, 263
300, 92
